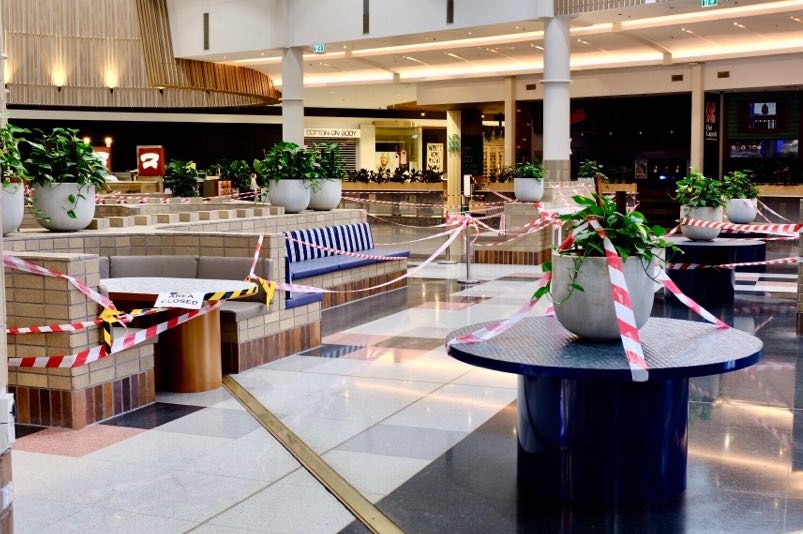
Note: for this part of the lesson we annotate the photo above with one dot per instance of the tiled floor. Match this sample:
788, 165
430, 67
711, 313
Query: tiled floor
428, 439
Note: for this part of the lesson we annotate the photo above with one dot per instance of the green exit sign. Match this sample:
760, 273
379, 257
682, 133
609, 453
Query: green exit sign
709, 3
319, 48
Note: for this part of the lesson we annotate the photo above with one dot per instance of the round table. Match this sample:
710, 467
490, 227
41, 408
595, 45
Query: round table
190, 353
588, 434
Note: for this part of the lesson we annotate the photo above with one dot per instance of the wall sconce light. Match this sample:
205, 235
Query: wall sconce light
108, 141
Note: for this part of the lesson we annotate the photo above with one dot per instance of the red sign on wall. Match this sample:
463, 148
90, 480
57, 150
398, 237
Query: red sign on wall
151, 160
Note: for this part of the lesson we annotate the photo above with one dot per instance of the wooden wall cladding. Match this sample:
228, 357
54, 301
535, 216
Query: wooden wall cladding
72, 52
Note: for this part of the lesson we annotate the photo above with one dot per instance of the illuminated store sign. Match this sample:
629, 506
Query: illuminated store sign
349, 133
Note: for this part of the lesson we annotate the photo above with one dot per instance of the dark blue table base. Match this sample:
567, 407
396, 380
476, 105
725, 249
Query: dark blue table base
602, 443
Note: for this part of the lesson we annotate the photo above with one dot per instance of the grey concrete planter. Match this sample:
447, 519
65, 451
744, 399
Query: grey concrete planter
590, 313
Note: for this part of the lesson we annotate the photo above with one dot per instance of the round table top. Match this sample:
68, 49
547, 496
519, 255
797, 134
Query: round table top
673, 348
155, 285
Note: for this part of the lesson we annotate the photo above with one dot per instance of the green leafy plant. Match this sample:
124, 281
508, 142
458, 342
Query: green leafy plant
11, 164
698, 191
239, 172
288, 161
629, 232
330, 159
181, 178
589, 168
533, 170
738, 184
60, 156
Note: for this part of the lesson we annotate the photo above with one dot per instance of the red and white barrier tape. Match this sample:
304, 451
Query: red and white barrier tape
623, 306
21, 265
494, 329
96, 353
781, 261
745, 228
393, 203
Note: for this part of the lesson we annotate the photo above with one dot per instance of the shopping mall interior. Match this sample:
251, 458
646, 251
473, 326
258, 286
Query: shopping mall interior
338, 406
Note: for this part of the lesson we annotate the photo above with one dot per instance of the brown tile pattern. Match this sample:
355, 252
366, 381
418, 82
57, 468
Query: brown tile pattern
77, 409
256, 352
512, 257
333, 299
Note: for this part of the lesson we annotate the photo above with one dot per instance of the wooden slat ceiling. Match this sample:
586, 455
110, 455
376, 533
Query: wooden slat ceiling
72, 53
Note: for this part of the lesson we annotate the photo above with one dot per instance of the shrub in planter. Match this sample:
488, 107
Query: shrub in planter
289, 171
181, 177
13, 177
65, 173
700, 198
742, 197
528, 185
580, 285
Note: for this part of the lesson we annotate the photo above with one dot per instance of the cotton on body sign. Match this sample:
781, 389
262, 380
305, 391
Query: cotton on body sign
192, 300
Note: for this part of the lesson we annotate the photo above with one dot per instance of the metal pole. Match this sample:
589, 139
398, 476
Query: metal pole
468, 250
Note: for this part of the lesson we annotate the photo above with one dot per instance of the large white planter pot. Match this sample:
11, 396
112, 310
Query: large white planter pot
742, 210
528, 189
590, 313
12, 204
292, 195
327, 197
64, 207
697, 233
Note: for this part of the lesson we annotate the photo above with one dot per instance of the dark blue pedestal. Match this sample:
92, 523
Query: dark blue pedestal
601, 443
711, 286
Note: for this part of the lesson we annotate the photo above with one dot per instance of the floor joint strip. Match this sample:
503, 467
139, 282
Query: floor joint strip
362, 509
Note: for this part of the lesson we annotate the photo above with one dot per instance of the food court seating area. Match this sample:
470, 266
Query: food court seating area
77, 396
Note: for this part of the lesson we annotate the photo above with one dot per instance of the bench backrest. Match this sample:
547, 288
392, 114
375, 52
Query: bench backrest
160, 265
346, 237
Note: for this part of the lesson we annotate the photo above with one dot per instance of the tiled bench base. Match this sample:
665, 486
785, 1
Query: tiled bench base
512, 257
6, 514
256, 352
334, 299
77, 409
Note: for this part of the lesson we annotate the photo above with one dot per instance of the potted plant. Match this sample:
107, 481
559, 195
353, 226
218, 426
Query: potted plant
742, 195
588, 171
239, 172
528, 185
65, 173
13, 176
700, 198
326, 192
289, 172
580, 285
181, 177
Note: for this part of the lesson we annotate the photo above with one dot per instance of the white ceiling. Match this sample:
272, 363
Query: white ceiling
382, 73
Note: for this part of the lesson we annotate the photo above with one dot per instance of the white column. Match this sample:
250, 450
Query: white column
697, 116
366, 157
293, 95
510, 121
557, 76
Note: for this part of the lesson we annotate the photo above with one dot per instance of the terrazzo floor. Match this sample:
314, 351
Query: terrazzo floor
431, 441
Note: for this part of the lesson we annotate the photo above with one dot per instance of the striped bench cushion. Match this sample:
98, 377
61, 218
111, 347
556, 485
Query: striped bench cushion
346, 237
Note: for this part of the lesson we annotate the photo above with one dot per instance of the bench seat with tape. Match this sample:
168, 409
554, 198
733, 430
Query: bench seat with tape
306, 264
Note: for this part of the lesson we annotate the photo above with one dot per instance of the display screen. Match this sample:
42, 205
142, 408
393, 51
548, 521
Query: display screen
763, 108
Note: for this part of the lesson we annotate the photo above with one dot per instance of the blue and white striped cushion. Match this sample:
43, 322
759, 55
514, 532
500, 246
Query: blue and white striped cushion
346, 237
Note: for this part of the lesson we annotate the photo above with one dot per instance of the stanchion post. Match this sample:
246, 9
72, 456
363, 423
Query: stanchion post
467, 249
